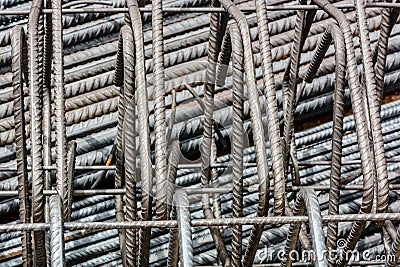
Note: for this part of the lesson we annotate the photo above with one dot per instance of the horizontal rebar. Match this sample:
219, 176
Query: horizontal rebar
192, 191
195, 165
199, 222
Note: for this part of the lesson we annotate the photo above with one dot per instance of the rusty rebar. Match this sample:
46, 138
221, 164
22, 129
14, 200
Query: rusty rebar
36, 90
20, 77
144, 135
152, 78
334, 33
130, 142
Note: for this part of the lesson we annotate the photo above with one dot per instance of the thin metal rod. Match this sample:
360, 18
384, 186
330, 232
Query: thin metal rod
296, 219
222, 190
303, 163
278, 220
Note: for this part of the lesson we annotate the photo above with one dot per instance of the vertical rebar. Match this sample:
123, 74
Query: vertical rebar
129, 137
159, 110
35, 97
144, 132
20, 75
57, 250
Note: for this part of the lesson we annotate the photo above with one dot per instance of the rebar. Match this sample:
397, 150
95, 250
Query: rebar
20, 77
130, 142
36, 88
333, 33
172, 136
57, 249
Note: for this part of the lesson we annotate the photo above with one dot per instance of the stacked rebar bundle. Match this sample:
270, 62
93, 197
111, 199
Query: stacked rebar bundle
163, 133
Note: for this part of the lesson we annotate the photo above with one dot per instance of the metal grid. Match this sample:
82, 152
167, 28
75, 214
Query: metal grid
34, 56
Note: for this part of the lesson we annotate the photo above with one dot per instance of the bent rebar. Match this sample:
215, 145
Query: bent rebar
360, 119
233, 46
129, 137
257, 126
234, 41
144, 131
334, 33
217, 28
271, 108
373, 105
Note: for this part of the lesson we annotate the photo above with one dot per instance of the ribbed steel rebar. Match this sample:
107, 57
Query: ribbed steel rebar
20, 76
215, 38
258, 131
35, 95
389, 17
174, 158
57, 249
232, 45
144, 135
173, 246
184, 228
130, 142
307, 200
360, 119
119, 177
303, 23
159, 110
59, 100
173, 162
47, 71
334, 33
349, 170
374, 103
271, 108
67, 205
394, 251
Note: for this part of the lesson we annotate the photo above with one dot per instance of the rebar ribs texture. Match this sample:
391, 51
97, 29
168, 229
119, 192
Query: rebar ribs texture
196, 132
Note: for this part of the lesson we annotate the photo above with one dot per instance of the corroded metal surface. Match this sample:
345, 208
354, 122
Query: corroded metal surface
221, 81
